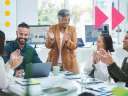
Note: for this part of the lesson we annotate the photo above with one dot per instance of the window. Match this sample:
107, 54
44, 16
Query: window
81, 13
47, 11
106, 7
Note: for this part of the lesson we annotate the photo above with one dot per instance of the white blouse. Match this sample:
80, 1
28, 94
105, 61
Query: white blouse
5, 74
61, 42
100, 69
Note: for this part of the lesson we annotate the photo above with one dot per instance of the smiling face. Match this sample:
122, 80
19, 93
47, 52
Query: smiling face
64, 21
22, 35
100, 43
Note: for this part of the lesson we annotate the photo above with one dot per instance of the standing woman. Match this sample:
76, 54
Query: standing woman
97, 68
61, 39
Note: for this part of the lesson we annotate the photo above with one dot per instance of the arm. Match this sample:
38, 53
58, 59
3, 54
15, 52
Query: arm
118, 74
49, 43
72, 42
3, 75
6, 57
101, 71
50, 40
115, 72
89, 68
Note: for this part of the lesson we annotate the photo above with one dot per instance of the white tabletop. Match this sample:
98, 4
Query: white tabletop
58, 81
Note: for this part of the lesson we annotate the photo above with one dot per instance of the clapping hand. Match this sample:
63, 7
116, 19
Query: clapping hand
96, 57
105, 56
50, 35
66, 36
16, 59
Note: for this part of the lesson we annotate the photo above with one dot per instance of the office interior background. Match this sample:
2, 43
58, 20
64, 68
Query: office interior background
41, 13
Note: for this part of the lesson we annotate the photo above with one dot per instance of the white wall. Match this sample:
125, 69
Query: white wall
123, 8
27, 11
124, 11
8, 30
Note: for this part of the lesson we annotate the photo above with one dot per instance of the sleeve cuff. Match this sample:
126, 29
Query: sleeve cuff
112, 65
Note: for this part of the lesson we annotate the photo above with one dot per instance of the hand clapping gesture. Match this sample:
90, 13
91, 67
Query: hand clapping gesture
105, 56
66, 36
50, 35
15, 59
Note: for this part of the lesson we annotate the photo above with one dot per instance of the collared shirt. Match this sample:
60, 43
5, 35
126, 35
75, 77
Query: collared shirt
29, 53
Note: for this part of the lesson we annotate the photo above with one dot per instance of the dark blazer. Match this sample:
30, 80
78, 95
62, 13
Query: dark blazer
119, 74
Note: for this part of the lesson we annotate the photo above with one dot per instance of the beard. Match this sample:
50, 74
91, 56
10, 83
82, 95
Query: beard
22, 41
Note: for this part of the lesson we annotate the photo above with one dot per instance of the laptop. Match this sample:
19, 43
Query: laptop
37, 70
80, 42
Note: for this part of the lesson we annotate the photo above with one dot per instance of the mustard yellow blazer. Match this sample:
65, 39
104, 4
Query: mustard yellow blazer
68, 55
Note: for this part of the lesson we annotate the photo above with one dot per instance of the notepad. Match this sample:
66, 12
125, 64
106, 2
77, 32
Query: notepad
53, 90
24, 82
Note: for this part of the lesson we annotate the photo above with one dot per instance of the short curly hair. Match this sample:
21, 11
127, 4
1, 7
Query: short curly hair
63, 12
24, 25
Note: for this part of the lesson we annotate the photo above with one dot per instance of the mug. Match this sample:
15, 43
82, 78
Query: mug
56, 70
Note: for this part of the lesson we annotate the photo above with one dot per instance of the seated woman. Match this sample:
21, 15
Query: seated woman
95, 67
6, 70
119, 74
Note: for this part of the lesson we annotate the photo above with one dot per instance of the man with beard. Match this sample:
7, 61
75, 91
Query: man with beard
19, 48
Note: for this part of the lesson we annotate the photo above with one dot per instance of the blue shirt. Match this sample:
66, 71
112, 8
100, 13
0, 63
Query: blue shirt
29, 53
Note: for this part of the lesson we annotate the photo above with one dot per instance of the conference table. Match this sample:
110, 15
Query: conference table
62, 84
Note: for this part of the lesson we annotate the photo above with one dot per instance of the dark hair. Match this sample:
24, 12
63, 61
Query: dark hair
108, 42
24, 25
63, 12
2, 40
